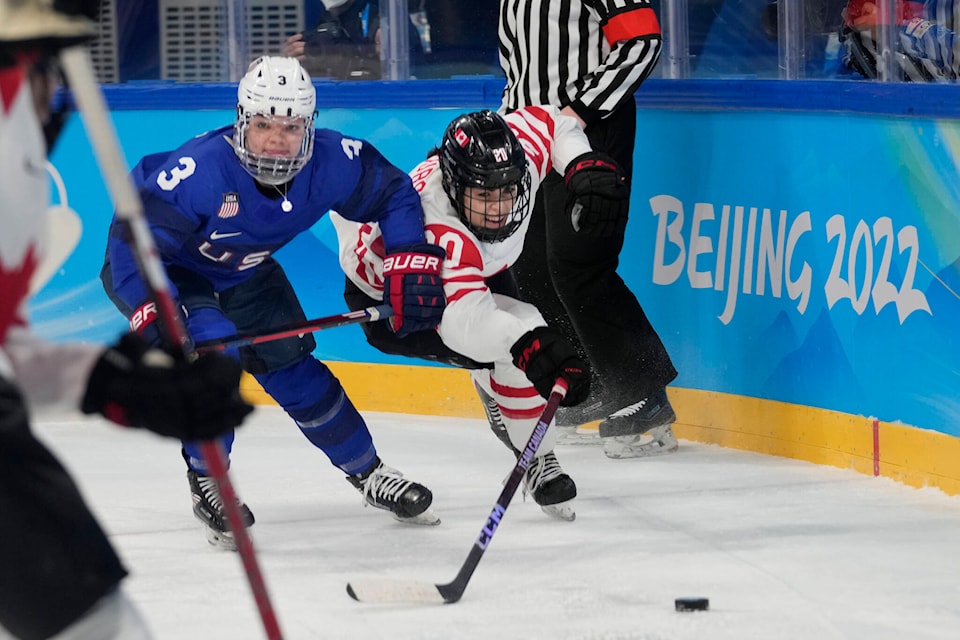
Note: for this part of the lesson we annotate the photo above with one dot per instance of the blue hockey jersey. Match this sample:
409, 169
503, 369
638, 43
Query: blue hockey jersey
209, 216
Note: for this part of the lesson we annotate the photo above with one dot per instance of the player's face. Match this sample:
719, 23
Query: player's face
277, 137
489, 208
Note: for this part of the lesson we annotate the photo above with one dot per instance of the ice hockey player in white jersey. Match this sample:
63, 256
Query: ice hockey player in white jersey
477, 189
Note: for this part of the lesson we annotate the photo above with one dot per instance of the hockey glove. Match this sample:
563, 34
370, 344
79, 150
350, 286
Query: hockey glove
544, 355
413, 288
599, 195
135, 385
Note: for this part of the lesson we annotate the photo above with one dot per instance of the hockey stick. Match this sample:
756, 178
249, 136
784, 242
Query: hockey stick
426, 593
93, 109
370, 314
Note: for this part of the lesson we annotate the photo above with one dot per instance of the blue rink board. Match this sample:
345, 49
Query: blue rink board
789, 244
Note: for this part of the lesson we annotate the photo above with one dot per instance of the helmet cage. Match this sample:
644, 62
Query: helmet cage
271, 170
479, 150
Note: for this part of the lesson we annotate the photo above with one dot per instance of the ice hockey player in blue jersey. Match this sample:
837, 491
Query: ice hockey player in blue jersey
219, 207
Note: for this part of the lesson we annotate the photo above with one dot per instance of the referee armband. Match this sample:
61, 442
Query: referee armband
631, 24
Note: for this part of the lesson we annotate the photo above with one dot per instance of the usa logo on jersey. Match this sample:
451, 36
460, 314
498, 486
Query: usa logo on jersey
230, 206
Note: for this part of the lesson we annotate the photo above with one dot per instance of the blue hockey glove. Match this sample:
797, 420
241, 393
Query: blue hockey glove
135, 385
413, 288
544, 355
599, 195
206, 323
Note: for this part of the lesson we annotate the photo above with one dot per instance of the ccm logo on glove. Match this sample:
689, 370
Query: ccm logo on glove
543, 355
599, 196
592, 163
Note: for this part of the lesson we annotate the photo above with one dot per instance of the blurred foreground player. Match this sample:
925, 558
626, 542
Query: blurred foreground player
59, 575
476, 191
219, 207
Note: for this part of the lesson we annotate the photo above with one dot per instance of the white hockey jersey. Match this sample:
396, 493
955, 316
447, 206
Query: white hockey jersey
49, 375
476, 323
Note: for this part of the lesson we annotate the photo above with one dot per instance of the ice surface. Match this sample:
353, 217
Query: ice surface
783, 549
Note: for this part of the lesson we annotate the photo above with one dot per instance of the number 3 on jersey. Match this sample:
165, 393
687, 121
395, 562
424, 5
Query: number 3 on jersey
168, 181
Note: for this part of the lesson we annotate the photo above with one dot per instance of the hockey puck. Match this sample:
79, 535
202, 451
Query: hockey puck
691, 604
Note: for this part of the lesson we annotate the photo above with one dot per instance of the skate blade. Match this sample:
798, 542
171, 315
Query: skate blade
560, 511
426, 519
220, 539
639, 446
585, 434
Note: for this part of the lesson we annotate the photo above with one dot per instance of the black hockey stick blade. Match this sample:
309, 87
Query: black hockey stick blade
416, 592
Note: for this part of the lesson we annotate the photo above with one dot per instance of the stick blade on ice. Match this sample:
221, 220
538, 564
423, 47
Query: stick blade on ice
395, 591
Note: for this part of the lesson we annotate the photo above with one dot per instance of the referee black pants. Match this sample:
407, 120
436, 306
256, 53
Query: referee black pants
588, 301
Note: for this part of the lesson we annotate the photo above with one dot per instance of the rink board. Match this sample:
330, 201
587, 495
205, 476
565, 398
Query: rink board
916, 457
797, 254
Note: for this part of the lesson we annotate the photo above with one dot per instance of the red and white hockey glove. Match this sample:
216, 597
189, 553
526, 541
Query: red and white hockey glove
544, 355
599, 195
413, 288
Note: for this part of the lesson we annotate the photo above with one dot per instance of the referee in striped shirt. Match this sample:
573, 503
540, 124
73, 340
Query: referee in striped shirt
589, 57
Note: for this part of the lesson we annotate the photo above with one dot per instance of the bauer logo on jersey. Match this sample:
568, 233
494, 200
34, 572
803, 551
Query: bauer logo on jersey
230, 206
461, 137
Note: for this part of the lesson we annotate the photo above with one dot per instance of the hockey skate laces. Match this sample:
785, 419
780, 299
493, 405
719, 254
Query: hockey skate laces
210, 492
385, 482
630, 410
542, 469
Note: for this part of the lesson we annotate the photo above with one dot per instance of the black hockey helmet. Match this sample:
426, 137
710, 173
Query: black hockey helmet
479, 150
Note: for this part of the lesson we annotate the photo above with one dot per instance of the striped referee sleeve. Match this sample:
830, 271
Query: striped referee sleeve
588, 54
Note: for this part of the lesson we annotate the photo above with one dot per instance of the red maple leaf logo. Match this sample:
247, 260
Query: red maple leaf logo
15, 286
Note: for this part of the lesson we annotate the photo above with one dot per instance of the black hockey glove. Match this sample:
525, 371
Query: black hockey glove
544, 355
599, 195
138, 386
412, 286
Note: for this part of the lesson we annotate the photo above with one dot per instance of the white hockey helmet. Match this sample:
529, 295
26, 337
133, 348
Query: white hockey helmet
279, 89
46, 24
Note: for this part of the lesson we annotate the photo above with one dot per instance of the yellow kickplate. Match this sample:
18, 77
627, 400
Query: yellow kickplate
589, 429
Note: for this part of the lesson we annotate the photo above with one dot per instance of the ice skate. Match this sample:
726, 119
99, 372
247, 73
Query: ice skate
492, 410
208, 508
578, 425
640, 430
385, 488
551, 488
579, 434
